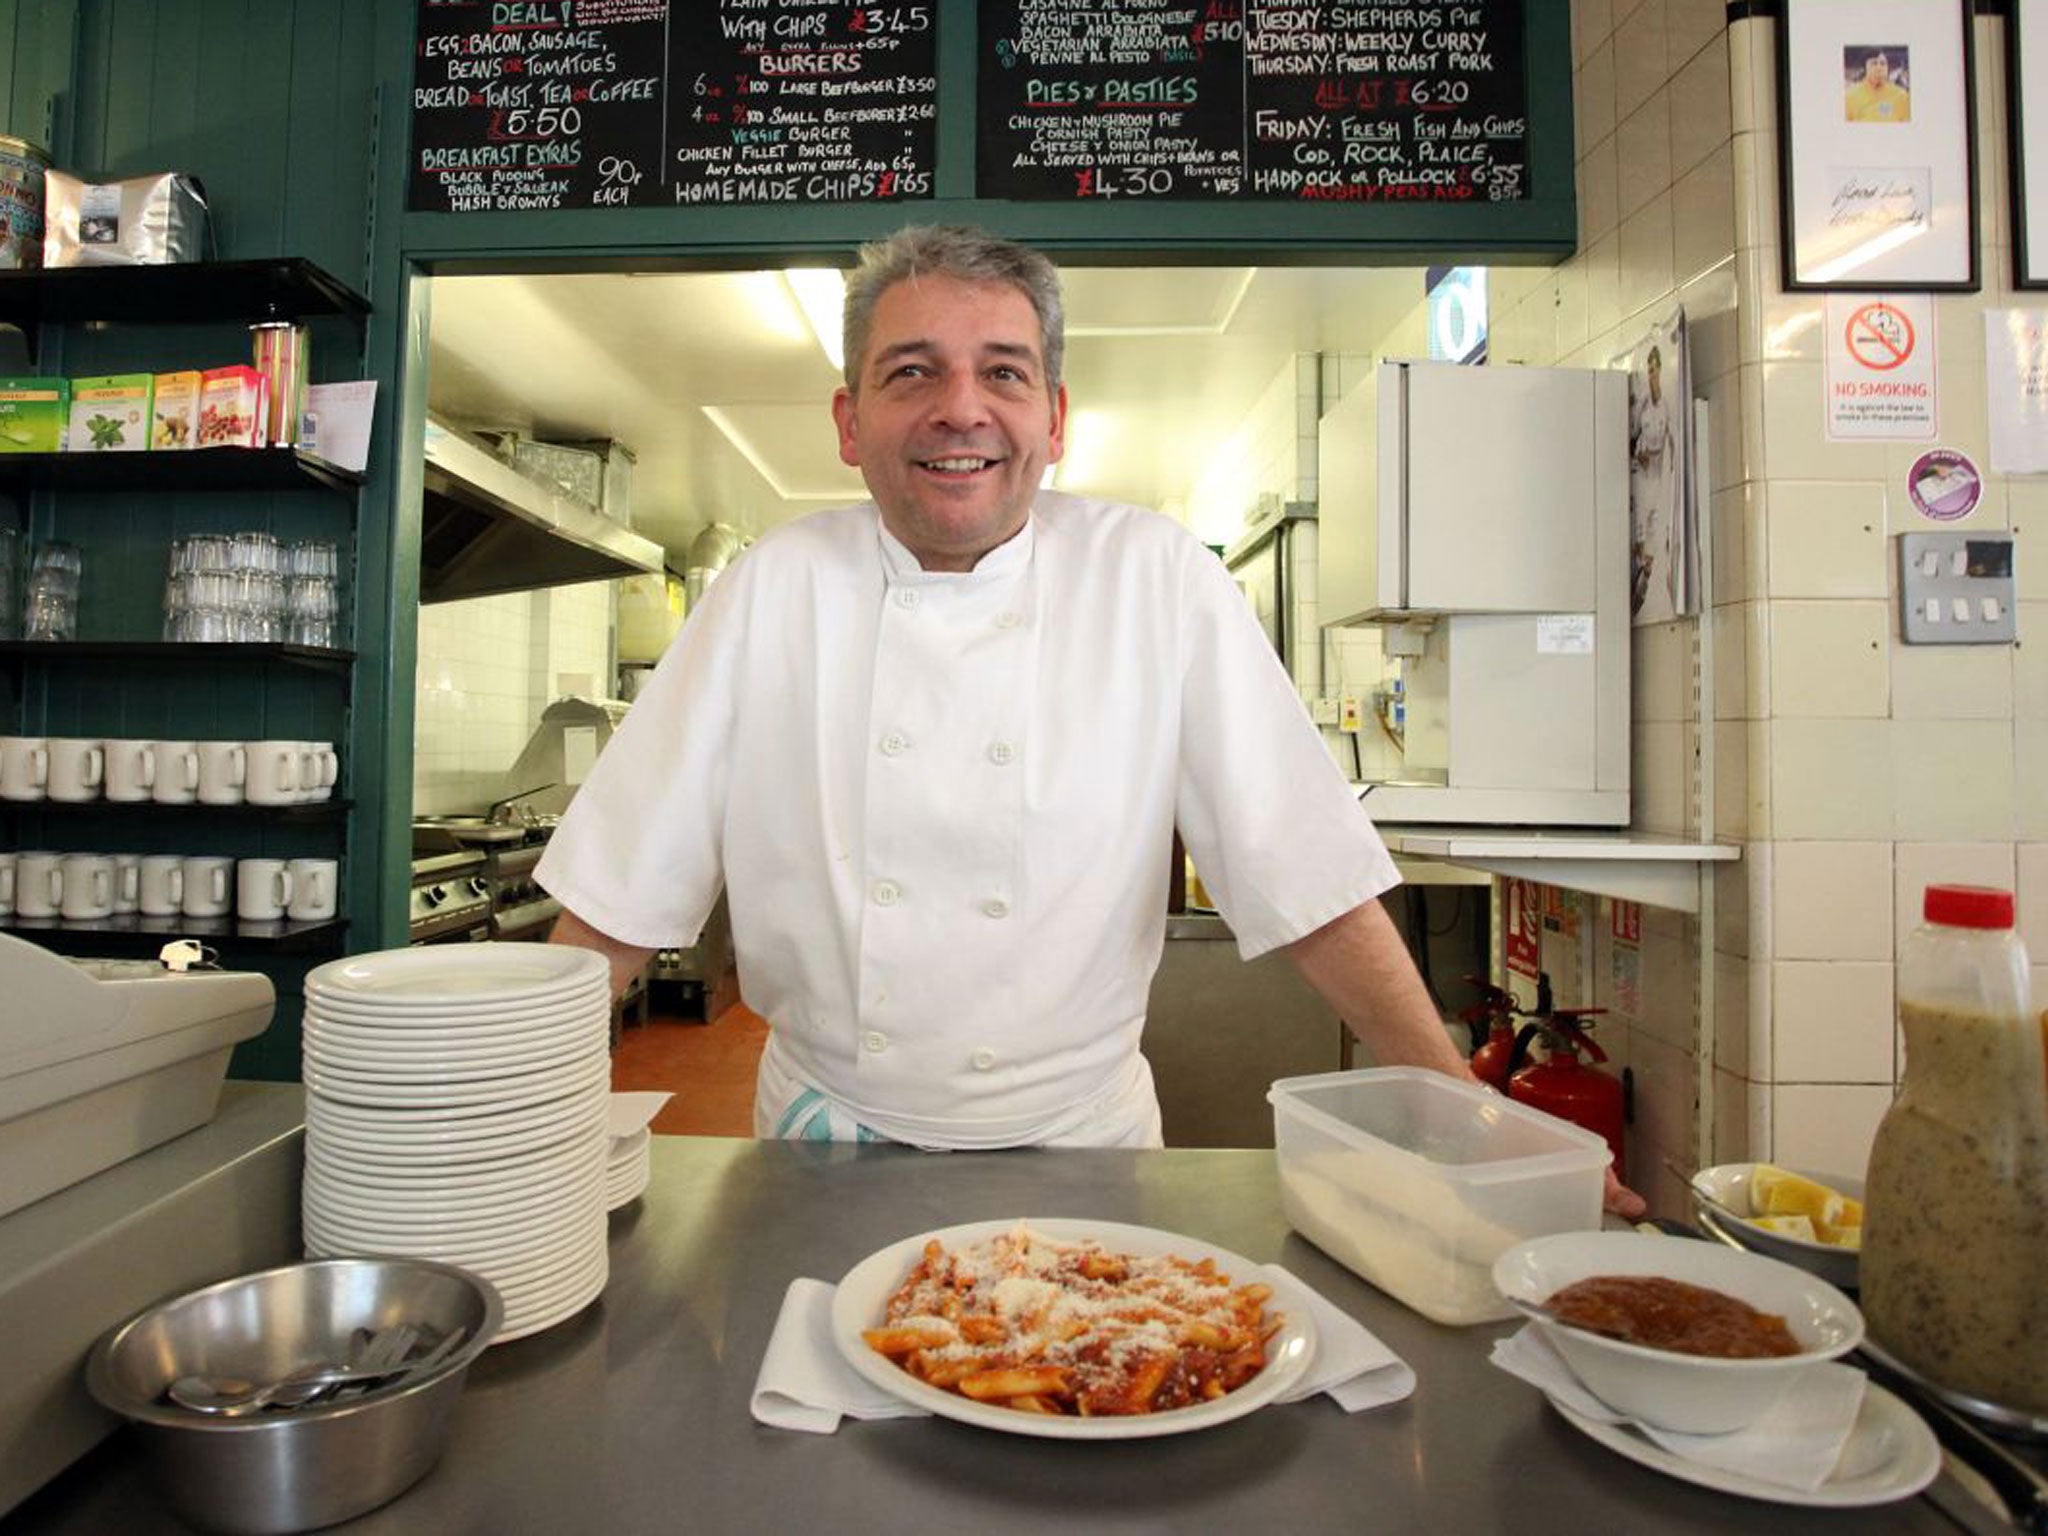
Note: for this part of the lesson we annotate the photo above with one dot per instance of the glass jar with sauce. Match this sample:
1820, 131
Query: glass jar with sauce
1955, 1237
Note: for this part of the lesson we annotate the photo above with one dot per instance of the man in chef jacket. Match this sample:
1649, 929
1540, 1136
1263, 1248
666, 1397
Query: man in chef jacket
935, 747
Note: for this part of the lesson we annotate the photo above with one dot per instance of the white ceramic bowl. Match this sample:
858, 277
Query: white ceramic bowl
1727, 1185
1689, 1393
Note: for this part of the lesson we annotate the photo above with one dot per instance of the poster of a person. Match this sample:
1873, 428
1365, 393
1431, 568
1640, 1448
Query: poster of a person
1660, 575
1875, 84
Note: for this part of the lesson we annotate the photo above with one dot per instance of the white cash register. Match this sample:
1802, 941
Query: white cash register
102, 1059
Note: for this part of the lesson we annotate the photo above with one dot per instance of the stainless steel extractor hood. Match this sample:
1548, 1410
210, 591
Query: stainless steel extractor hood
485, 528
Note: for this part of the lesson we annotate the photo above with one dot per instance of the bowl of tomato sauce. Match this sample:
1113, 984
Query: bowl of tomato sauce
1680, 1334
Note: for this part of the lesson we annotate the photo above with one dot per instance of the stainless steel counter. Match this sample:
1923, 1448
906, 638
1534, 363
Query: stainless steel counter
633, 1417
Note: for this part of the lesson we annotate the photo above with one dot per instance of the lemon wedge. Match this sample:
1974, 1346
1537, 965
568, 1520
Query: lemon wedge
1775, 1191
1800, 1226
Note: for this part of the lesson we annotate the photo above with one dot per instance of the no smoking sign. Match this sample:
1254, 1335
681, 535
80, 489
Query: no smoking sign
1879, 337
1880, 367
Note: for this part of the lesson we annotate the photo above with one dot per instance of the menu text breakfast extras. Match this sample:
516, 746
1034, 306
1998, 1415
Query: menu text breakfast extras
617, 103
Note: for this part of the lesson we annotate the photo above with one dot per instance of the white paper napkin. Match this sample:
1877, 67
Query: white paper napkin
1350, 1364
805, 1384
632, 1112
1796, 1443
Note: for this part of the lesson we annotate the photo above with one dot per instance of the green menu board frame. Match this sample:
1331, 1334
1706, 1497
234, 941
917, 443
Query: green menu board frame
1540, 226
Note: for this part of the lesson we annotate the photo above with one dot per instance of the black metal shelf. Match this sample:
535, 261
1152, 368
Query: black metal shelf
117, 937
179, 653
193, 469
310, 813
281, 288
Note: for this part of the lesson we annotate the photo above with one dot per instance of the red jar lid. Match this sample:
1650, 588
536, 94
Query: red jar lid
1968, 906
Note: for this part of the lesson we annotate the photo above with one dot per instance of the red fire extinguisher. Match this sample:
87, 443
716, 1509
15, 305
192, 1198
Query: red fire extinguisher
1495, 1012
1562, 1084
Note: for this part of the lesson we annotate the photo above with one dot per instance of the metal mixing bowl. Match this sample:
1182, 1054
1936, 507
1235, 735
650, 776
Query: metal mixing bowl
277, 1472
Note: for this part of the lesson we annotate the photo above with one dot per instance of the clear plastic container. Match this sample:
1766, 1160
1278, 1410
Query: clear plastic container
1418, 1182
1955, 1235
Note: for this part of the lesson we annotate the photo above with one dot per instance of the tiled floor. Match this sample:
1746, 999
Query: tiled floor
708, 1067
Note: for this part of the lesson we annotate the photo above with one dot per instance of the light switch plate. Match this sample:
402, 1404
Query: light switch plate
1956, 589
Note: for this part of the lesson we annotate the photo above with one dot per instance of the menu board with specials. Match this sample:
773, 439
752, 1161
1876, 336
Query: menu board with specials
1419, 101
594, 103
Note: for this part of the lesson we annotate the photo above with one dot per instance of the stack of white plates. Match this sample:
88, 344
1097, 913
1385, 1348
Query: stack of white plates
456, 1108
626, 1174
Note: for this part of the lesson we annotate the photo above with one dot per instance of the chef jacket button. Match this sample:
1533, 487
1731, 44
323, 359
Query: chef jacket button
983, 1059
895, 744
887, 893
995, 906
1009, 619
874, 1042
1001, 753
906, 597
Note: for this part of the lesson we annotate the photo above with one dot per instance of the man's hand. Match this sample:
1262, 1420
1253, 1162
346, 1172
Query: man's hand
1619, 1200
626, 960
1363, 970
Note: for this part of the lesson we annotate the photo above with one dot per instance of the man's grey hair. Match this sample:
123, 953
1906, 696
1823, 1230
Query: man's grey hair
966, 255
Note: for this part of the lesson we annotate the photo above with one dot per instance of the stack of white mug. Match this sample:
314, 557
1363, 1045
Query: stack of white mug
77, 768
45, 886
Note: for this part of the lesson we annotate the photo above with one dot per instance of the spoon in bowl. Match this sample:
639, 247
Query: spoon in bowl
1537, 1309
231, 1397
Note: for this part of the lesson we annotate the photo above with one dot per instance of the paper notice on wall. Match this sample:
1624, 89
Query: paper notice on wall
339, 416
1625, 979
1880, 367
579, 752
2016, 389
1523, 930
1564, 634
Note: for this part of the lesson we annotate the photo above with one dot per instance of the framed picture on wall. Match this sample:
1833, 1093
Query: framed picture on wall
1877, 155
2027, 105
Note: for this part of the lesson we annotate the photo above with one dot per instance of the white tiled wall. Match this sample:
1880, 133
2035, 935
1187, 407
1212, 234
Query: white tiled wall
487, 668
1889, 767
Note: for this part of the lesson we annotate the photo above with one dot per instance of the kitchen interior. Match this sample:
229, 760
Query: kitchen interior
692, 406
1794, 777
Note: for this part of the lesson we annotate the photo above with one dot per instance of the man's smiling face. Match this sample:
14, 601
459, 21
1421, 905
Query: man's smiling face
953, 423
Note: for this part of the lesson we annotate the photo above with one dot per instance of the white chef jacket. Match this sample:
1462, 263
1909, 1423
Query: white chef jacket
942, 805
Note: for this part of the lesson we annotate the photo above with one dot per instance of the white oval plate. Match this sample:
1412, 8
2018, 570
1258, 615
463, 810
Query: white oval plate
859, 1301
478, 1123
544, 1311
344, 1145
472, 1020
1890, 1454
372, 1187
447, 1066
518, 1261
438, 973
476, 1034
623, 1191
526, 1236
519, 1089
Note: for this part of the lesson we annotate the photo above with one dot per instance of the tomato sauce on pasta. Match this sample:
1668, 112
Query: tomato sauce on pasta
1044, 1326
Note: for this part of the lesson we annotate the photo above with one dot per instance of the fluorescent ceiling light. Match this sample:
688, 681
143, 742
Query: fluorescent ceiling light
820, 295
1214, 327
746, 450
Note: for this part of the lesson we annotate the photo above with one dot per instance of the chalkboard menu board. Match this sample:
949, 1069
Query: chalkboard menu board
594, 103
1354, 102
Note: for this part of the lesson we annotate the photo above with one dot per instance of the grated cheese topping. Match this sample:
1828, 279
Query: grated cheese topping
1126, 1333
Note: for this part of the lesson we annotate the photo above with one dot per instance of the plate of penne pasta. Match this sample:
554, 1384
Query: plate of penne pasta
1072, 1329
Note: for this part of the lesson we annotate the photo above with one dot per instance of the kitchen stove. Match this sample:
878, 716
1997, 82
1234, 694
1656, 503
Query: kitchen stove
450, 900
502, 857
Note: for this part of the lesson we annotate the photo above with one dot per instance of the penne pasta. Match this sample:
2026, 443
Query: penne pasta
1040, 1326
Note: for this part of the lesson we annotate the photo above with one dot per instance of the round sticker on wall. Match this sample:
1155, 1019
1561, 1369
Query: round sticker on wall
1944, 484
